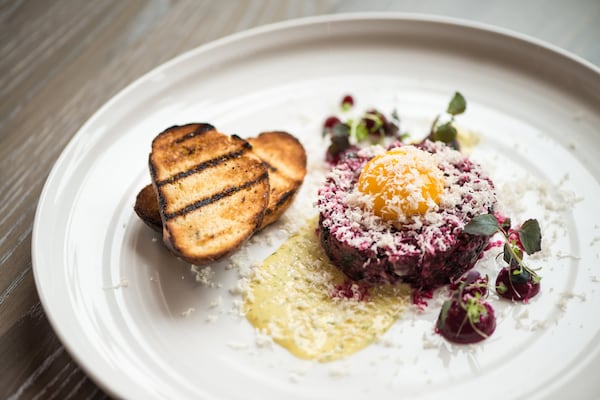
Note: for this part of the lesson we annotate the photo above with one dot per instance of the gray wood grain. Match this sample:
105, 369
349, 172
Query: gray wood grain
61, 60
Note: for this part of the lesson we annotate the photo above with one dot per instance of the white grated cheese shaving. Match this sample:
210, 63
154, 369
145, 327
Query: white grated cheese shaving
204, 275
470, 192
188, 312
210, 318
339, 371
565, 297
512, 199
263, 340
123, 283
428, 342
216, 302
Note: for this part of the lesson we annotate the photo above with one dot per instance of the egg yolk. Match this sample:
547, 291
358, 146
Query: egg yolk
402, 182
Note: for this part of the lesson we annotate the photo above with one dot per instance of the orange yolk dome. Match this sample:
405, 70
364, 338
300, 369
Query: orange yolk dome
402, 182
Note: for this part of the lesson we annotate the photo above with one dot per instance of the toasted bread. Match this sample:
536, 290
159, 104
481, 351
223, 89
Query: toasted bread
146, 207
212, 191
285, 159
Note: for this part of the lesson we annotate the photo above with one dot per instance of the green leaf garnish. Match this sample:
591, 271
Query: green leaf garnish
482, 225
444, 314
506, 224
445, 133
501, 288
457, 105
475, 309
340, 139
377, 121
521, 276
531, 236
404, 136
361, 132
340, 130
512, 254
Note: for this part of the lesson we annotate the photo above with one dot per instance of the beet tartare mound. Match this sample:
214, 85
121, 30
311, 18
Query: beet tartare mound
398, 214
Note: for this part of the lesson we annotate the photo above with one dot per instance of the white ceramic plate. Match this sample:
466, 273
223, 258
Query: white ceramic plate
117, 299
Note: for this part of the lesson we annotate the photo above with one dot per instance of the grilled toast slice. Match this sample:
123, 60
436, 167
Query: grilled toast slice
212, 191
285, 159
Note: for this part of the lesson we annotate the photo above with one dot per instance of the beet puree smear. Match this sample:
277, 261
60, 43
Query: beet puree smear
428, 251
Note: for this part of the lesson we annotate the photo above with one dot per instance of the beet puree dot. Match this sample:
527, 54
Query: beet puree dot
454, 325
517, 287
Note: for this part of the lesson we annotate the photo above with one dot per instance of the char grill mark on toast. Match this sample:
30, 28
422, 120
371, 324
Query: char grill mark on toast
270, 167
286, 196
279, 153
216, 197
212, 191
184, 157
281, 200
202, 128
204, 165
169, 158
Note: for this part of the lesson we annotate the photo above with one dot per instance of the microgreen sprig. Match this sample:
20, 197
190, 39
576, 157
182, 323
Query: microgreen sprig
469, 297
525, 239
372, 125
475, 309
446, 132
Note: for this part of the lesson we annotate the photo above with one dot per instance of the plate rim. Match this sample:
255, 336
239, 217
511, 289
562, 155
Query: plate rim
80, 134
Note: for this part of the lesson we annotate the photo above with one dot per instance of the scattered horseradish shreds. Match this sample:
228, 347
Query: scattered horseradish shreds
423, 249
348, 222
365, 222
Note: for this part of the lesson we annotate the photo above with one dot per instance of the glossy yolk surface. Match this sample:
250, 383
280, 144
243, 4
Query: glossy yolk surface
402, 182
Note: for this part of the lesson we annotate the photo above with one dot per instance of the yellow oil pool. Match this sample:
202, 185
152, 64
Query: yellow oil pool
292, 298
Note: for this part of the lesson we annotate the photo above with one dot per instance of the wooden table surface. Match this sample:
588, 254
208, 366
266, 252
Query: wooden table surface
61, 60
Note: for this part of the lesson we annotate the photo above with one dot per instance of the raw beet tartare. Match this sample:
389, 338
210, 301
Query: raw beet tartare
417, 239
